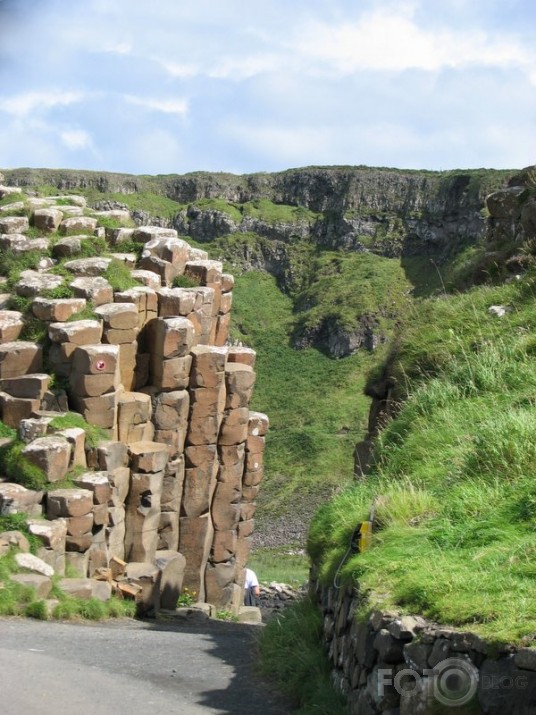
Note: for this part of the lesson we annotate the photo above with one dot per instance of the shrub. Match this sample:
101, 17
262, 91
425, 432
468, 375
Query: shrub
119, 276
184, 281
37, 609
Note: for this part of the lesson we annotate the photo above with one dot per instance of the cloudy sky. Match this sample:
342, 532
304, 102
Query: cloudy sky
171, 86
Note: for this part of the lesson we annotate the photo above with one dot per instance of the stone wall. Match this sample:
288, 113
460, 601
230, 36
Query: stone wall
405, 665
172, 489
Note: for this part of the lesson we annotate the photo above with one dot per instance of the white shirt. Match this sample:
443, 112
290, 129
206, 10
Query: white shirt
251, 579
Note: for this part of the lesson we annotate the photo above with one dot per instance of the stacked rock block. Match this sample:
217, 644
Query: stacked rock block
171, 493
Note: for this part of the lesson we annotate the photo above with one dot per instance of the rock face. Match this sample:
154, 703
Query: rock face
167, 500
273, 216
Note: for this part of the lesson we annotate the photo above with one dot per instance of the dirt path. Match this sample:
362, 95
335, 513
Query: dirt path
131, 667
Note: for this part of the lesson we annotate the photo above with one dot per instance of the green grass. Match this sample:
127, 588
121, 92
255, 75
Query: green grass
119, 276
17, 600
271, 212
344, 287
453, 472
19, 469
316, 405
279, 565
94, 434
291, 653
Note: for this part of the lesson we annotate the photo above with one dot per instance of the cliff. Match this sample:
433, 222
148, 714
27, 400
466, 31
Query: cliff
285, 223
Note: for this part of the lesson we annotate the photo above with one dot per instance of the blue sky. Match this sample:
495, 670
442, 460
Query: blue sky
171, 86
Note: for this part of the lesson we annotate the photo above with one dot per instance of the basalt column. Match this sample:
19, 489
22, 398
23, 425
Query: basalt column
207, 402
223, 577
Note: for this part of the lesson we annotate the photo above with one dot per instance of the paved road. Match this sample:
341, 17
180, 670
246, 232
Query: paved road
132, 668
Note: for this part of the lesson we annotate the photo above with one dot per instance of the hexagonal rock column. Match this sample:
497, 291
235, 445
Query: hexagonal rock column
57, 310
97, 290
134, 418
51, 454
253, 473
165, 256
14, 224
170, 362
76, 507
11, 324
20, 358
207, 400
143, 506
209, 274
98, 483
47, 220
16, 499
52, 535
170, 418
203, 315
222, 576
121, 328
94, 381
145, 299
66, 337
168, 530
21, 396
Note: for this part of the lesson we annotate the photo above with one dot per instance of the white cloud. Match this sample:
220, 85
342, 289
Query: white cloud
167, 106
245, 67
393, 41
22, 104
176, 69
75, 138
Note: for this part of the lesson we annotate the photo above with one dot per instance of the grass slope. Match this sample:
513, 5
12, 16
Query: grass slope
316, 405
454, 472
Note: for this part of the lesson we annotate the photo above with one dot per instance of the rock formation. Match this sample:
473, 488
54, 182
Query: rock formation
167, 500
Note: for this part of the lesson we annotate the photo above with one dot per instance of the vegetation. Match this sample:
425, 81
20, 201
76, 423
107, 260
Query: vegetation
453, 471
316, 405
18, 600
17, 468
94, 434
272, 213
344, 287
184, 281
280, 565
292, 653
119, 276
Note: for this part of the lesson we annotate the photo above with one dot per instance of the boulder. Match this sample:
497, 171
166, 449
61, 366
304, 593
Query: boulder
51, 454
47, 219
59, 309
34, 564
20, 358
11, 324
78, 224
97, 290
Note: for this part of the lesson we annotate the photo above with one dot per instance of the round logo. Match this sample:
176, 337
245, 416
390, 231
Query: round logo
455, 682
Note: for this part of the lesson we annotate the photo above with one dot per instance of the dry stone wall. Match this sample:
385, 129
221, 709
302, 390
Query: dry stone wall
403, 665
168, 500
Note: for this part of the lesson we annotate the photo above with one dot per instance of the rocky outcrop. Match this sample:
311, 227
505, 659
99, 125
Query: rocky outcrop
168, 499
271, 218
425, 208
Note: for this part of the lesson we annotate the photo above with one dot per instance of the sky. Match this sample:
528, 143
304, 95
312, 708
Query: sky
173, 86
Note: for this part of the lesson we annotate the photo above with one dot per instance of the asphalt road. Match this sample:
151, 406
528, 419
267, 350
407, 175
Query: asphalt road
133, 668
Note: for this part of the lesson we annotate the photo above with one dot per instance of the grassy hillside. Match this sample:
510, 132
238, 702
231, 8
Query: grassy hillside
316, 405
453, 479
